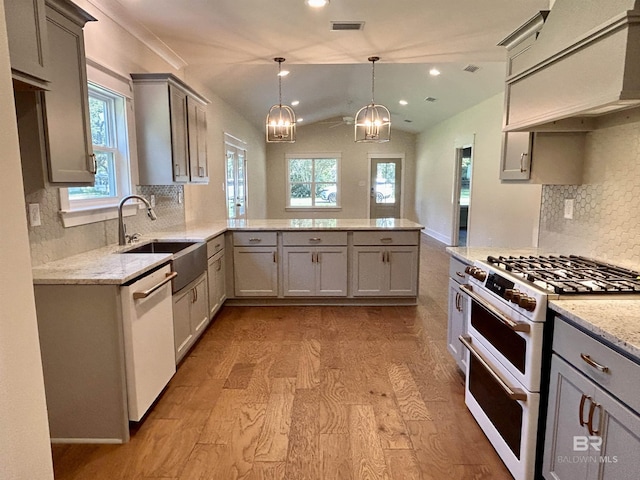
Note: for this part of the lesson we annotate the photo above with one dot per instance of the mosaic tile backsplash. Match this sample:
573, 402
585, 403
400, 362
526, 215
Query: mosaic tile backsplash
52, 241
606, 222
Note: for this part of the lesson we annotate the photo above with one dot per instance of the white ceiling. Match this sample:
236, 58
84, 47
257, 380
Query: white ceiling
229, 45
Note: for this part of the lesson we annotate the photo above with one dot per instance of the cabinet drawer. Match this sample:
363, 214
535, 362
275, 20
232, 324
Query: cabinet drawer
571, 343
385, 237
314, 238
456, 270
215, 245
255, 239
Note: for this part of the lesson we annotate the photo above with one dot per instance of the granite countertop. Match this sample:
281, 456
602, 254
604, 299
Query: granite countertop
614, 320
105, 266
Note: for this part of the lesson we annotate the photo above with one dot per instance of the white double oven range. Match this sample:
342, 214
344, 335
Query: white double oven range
509, 339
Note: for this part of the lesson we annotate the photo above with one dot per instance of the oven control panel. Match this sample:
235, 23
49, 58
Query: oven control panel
498, 285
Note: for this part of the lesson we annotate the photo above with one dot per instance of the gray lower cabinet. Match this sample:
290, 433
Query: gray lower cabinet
66, 104
592, 430
457, 317
315, 271
28, 49
255, 271
216, 273
385, 271
190, 315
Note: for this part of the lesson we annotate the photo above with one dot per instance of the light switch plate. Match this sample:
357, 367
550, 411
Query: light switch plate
34, 215
568, 208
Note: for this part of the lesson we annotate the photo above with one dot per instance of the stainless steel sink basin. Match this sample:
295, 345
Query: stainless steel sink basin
189, 259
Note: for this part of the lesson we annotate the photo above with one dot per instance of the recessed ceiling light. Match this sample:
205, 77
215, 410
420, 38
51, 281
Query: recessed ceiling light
403, 102
295, 103
434, 72
317, 3
283, 73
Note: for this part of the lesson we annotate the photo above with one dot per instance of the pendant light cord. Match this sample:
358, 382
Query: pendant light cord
373, 81
280, 82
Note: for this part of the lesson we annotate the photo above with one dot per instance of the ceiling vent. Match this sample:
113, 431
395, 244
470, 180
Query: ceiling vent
471, 68
346, 26
430, 99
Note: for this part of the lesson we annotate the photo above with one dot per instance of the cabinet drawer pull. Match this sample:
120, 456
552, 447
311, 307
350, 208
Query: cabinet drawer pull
581, 419
593, 363
93, 168
146, 293
522, 169
594, 431
461, 275
315, 239
255, 239
512, 393
386, 240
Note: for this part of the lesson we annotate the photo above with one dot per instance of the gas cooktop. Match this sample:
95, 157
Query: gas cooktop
572, 274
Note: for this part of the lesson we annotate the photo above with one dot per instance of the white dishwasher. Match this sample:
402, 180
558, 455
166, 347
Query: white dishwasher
147, 311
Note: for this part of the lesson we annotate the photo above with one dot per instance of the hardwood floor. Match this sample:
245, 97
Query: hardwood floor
335, 393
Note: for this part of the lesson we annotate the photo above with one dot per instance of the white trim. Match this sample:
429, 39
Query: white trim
109, 79
84, 216
234, 141
438, 236
119, 14
467, 141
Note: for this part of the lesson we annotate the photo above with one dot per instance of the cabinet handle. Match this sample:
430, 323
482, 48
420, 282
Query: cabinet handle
177, 169
255, 239
315, 239
313, 257
218, 265
386, 239
583, 399
93, 168
593, 363
201, 171
457, 301
275, 260
461, 275
318, 257
592, 408
384, 257
388, 257
524, 154
146, 293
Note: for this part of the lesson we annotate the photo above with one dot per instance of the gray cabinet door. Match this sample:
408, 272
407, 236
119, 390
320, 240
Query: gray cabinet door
516, 156
179, 145
197, 115
27, 32
181, 323
255, 271
456, 327
66, 105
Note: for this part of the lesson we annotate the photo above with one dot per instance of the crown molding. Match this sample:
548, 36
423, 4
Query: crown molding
120, 15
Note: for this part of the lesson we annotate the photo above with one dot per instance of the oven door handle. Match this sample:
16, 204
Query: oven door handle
515, 326
512, 393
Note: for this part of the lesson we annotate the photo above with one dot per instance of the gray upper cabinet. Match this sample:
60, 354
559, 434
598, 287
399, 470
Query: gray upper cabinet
66, 106
516, 156
171, 130
27, 31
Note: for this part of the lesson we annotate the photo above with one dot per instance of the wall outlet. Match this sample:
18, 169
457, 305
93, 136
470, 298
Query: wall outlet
152, 200
34, 215
568, 208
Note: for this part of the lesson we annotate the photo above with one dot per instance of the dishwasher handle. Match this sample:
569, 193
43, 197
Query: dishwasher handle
146, 293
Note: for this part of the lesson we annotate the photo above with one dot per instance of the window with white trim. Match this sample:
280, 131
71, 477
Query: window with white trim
313, 180
108, 121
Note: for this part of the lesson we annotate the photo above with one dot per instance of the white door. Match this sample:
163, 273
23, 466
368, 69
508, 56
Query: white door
385, 187
236, 181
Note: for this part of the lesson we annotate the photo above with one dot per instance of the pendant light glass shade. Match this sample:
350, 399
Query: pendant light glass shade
373, 122
281, 120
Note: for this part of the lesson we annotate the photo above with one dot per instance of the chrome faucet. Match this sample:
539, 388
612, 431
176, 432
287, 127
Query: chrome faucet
122, 238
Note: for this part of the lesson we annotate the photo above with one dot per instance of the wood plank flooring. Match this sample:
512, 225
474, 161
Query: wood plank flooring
297, 393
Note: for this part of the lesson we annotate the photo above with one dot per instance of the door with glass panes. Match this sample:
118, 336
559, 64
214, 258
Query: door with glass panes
384, 187
236, 186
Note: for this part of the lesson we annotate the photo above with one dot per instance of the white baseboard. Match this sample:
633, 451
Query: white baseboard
438, 236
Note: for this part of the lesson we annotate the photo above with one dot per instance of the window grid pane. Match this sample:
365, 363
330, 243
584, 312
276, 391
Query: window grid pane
317, 175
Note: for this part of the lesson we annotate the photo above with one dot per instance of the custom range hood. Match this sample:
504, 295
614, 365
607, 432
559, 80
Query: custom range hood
581, 60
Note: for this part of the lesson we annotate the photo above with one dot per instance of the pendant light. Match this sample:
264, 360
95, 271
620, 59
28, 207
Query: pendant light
281, 120
373, 122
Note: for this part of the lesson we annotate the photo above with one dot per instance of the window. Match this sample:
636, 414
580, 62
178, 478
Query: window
108, 121
312, 181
